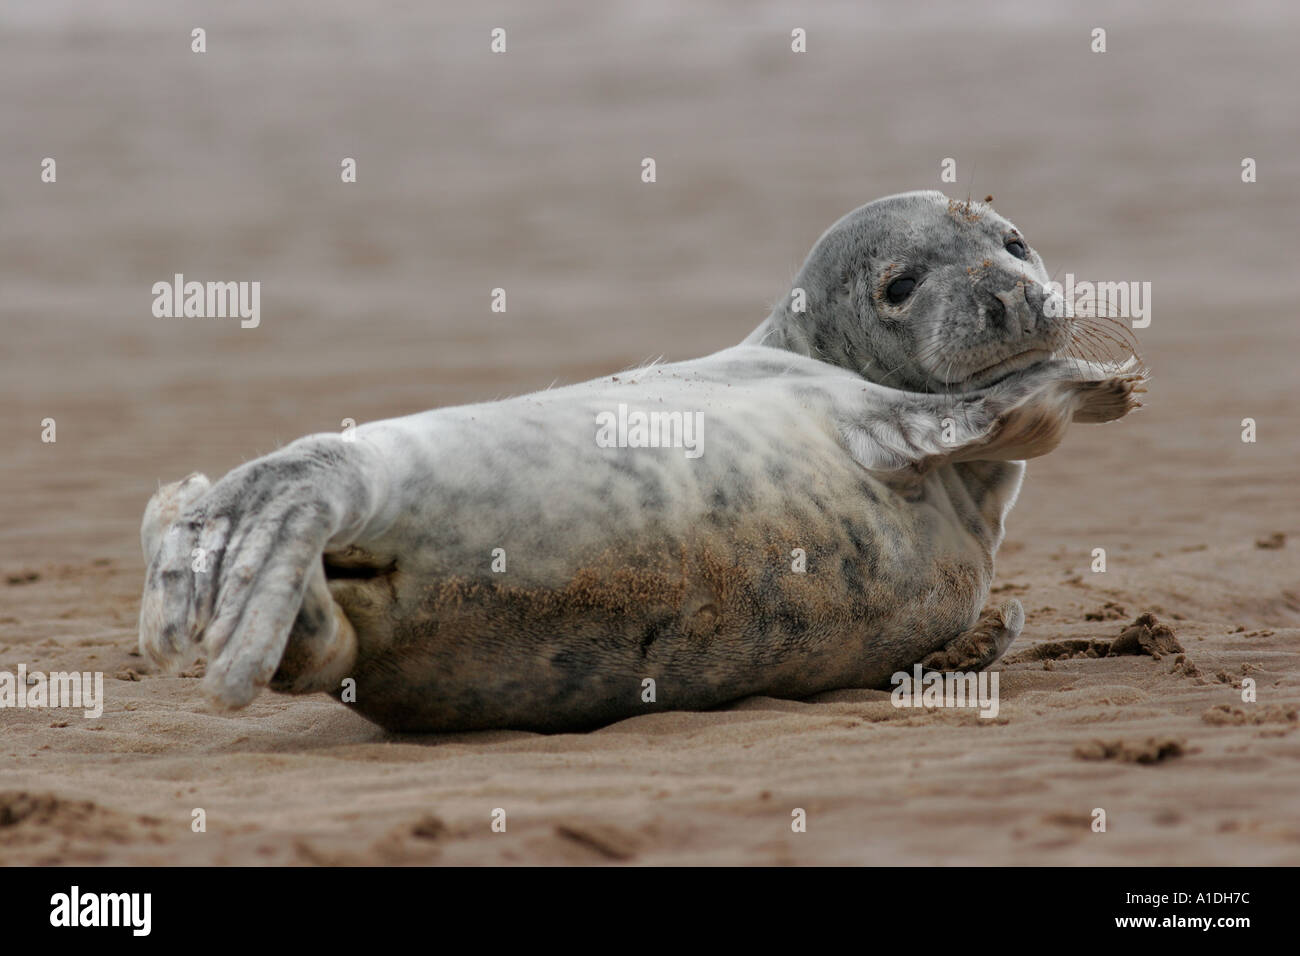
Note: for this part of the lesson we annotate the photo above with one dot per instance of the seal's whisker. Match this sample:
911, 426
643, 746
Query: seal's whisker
926, 354
1093, 346
1115, 327
1116, 323
1112, 332
1087, 348
1071, 351
1108, 335
1105, 347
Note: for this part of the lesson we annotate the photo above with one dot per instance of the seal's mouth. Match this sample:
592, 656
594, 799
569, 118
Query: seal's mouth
992, 374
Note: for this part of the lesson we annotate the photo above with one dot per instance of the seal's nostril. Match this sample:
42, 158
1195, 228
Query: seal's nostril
1020, 316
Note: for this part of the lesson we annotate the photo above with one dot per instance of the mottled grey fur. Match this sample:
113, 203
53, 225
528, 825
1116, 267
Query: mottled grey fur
371, 560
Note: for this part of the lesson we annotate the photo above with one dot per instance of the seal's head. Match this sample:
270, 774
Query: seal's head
920, 292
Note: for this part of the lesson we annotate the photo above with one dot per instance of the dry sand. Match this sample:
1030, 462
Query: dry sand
522, 171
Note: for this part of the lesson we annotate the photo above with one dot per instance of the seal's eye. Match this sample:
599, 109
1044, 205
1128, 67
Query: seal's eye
1017, 249
899, 289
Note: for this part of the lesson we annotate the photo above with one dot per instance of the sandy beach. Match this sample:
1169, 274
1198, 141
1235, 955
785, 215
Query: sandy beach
522, 171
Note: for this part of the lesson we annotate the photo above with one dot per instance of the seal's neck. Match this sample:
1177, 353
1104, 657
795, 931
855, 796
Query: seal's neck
799, 332
783, 329
770, 333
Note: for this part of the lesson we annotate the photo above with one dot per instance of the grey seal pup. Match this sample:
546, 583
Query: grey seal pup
816, 508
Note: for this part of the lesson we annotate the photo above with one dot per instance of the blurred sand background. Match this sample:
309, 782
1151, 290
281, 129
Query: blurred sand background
522, 171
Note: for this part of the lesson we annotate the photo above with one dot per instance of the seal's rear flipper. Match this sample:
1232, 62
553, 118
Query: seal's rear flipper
165, 507
322, 647
235, 569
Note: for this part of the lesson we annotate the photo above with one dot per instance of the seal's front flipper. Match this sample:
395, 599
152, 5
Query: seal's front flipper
906, 435
1032, 413
983, 644
1106, 393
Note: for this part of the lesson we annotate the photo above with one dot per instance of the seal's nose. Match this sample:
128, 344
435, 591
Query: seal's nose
1014, 310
